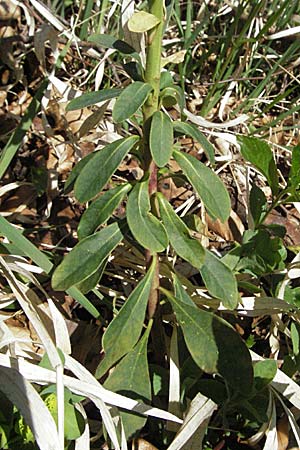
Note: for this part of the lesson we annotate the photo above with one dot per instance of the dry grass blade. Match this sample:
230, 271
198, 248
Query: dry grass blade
83, 442
271, 432
198, 120
28, 301
62, 338
91, 389
37, 416
84, 375
196, 420
174, 383
292, 420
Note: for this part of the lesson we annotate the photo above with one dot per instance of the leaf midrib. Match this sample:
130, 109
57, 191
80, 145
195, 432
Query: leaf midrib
131, 309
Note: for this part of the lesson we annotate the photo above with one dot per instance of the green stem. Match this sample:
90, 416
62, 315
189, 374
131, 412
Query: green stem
152, 76
104, 7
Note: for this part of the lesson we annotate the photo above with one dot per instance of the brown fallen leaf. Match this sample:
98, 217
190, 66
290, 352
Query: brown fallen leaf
142, 444
283, 433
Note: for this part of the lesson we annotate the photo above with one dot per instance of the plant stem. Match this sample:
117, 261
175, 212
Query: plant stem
152, 76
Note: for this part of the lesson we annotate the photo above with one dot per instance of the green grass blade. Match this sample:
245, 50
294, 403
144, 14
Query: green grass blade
14, 235
16, 138
85, 23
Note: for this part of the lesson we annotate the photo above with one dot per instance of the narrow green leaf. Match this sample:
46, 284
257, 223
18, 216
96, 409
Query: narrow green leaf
124, 331
106, 40
207, 184
91, 98
196, 326
161, 138
97, 172
211, 341
142, 21
84, 301
258, 204
91, 282
145, 227
219, 280
76, 171
258, 153
17, 136
294, 175
15, 235
101, 210
181, 293
184, 245
131, 99
295, 336
131, 378
86, 257
134, 70
41, 260
191, 130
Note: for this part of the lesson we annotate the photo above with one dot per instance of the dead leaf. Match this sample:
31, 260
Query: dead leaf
142, 444
221, 229
283, 433
9, 11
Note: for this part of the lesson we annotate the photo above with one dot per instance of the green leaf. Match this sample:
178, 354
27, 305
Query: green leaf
172, 95
258, 204
184, 245
191, 130
166, 80
91, 282
15, 236
180, 292
214, 345
86, 257
76, 171
74, 421
264, 372
207, 184
24, 431
219, 280
295, 335
142, 21
294, 175
124, 331
101, 210
97, 172
145, 227
106, 40
161, 138
131, 378
131, 99
134, 70
258, 153
91, 98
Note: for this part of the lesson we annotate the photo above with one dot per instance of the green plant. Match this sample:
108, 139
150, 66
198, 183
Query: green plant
172, 344
151, 227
